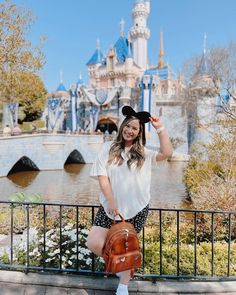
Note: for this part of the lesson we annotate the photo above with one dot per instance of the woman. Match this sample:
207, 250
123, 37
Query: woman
123, 169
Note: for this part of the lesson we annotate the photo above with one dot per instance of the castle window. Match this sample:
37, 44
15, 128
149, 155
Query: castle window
162, 89
173, 90
111, 61
160, 111
112, 82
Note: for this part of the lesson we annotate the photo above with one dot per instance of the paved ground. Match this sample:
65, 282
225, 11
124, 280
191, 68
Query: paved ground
18, 283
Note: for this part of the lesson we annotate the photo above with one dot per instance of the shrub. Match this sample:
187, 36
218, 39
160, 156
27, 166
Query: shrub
169, 262
211, 173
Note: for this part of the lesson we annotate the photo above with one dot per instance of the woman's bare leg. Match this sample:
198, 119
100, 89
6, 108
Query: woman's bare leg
96, 239
125, 277
95, 242
123, 283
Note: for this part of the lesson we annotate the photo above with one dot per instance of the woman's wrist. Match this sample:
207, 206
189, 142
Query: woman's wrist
160, 129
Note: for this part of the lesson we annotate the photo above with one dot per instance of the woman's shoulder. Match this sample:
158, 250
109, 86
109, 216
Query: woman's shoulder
106, 146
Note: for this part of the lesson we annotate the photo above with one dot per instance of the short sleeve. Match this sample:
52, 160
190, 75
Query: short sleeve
99, 166
152, 155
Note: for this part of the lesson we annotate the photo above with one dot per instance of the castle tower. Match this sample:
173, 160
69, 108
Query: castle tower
148, 103
139, 33
205, 101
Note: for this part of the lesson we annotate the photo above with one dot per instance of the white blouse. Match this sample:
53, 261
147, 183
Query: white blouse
130, 187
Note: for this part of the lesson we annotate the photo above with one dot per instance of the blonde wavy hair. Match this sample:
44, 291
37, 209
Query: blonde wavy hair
136, 152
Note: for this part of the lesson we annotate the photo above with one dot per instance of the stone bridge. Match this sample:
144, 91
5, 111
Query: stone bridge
46, 151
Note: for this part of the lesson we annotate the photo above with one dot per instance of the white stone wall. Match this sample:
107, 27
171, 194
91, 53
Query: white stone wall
207, 119
175, 122
48, 152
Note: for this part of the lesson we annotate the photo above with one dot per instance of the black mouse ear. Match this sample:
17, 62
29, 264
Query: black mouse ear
144, 117
128, 111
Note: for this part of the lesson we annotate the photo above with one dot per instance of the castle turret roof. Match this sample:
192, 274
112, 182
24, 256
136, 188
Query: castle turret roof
80, 80
61, 87
96, 58
203, 68
122, 49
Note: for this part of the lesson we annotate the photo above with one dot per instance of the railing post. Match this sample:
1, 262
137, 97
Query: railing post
44, 236
12, 226
195, 244
93, 256
77, 238
229, 245
27, 233
177, 233
212, 244
143, 247
160, 230
60, 264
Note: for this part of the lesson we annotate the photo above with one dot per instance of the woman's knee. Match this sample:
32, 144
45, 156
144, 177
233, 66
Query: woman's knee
93, 242
96, 240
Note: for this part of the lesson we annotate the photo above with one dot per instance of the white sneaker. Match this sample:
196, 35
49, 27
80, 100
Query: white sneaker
122, 290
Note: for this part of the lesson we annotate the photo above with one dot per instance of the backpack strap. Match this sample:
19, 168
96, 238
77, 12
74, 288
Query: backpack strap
121, 217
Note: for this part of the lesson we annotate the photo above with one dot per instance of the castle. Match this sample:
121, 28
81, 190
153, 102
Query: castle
124, 77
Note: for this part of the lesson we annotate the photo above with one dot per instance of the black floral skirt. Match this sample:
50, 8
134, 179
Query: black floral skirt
138, 221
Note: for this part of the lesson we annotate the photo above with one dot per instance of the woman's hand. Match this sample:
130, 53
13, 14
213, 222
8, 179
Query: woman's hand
166, 149
112, 207
156, 122
105, 186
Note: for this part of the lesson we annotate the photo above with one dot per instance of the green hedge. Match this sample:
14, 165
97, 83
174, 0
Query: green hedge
186, 263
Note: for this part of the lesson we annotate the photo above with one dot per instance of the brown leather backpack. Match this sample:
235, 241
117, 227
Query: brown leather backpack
121, 250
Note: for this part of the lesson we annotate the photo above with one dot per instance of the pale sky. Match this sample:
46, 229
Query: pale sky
73, 26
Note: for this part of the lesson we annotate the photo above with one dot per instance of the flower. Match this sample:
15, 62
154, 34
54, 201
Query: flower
88, 261
69, 262
45, 247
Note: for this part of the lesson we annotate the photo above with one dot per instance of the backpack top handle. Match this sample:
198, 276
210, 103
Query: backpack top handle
121, 217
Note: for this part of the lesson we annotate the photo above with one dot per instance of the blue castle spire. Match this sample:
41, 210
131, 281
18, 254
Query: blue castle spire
61, 86
203, 68
97, 56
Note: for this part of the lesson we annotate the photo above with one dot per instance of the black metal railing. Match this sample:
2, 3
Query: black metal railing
175, 243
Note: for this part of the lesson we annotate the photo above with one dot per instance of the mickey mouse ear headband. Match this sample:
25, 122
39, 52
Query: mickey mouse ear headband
142, 116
